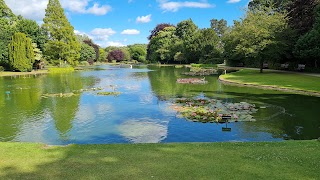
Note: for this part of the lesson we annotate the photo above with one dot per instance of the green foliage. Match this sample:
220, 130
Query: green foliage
219, 26
7, 30
87, 53
204, 65
307, 47
138, 52
102, 56
1, 68
62, 37
21, 54
5, 11
60, 70
258, 36
33, 31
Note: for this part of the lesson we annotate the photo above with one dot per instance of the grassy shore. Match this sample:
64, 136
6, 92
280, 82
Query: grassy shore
263, 160
8, 73
278, 79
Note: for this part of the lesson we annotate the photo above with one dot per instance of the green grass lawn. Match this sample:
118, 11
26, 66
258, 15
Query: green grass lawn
278, 79
263, 160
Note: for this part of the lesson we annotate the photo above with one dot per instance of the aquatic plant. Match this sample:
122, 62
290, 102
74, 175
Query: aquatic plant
213, 110
192, 81
113, 93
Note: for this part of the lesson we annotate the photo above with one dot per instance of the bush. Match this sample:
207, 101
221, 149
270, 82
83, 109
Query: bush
204, 65
1, 68
61, 70
84, 63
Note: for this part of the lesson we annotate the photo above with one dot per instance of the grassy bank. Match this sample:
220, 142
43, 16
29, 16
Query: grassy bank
276, 79
7, 73
277, 160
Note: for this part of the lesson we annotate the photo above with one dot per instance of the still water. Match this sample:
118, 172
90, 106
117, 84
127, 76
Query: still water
142, 113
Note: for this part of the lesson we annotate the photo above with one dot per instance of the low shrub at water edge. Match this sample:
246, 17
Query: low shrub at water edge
61, 70
204, 65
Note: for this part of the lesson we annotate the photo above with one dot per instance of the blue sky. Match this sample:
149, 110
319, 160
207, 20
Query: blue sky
125, 22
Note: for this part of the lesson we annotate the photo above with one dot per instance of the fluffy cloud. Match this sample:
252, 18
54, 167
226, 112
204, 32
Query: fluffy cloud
175, 6
144, 19
130, 32
35, 9
233, 1
102, 34
114, 43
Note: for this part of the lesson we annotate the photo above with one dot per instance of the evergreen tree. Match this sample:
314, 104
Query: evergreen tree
61, 36
7, 29
21, 54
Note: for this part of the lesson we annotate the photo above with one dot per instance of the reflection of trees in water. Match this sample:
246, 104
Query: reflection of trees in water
144, 130
23, 102
297, 115
300, 120
64, 109
164, 85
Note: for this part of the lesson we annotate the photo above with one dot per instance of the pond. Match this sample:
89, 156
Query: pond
37, 109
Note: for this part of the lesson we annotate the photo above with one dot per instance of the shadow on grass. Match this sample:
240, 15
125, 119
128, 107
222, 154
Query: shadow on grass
164, 161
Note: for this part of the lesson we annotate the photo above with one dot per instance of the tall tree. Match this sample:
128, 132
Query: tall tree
301, 15
21, 53
308, 47
219, 26
186, 31
61, 36
258, 35
7, 30
33, 31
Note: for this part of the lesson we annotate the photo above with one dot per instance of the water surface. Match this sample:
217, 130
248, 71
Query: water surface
142, 113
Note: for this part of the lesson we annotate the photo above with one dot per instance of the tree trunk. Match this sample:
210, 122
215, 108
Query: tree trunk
315, 63
261, 66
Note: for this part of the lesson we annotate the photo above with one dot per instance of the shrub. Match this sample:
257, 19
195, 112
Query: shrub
1, 68
61, 70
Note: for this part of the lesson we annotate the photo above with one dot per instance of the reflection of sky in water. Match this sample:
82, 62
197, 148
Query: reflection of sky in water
143, 130
135, 116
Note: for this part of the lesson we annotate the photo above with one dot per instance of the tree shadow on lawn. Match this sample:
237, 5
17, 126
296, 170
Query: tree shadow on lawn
156, 161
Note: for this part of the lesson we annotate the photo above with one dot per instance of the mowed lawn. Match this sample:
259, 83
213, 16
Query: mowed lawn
263, 160
275, 78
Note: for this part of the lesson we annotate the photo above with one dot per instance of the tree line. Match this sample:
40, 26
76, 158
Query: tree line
271, 31
25, 45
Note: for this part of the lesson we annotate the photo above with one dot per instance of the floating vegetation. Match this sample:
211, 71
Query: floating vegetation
179, 66
87, 90
192, 81
59, 95
201, 72
213, 110
113, 93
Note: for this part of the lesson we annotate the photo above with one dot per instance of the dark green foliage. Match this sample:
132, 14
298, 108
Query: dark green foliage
87, 53
219, 26
308, 47
94, 46
301, 15
138, 52
21, 53
33, 31
61, 36
7, 29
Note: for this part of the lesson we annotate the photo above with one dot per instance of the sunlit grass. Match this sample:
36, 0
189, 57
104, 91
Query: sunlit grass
265, 160
278, 79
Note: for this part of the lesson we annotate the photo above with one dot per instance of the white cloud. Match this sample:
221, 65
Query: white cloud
130, 32
102, 34
114, 43
144, 19
175, 6
233, 1
35, 9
